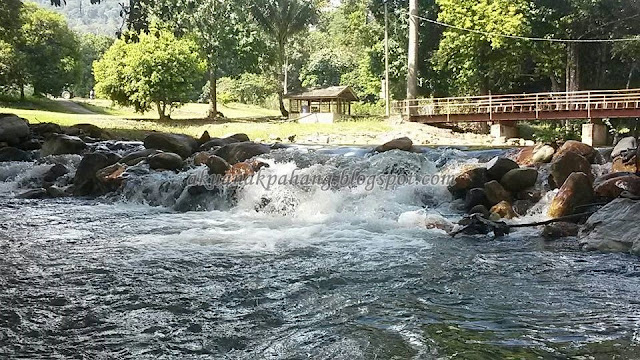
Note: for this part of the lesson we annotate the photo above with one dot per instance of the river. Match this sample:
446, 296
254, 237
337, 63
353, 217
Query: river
295, 272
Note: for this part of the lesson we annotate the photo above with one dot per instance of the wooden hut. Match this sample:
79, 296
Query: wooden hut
322, 105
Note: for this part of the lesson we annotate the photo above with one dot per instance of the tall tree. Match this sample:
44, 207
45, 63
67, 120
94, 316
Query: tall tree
49, 47
282, 19
229, 43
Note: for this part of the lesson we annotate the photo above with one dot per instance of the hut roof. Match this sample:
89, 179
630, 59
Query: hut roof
333, 92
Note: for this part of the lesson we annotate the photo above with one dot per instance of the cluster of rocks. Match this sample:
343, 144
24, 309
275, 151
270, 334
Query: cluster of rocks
102, 169
506, 188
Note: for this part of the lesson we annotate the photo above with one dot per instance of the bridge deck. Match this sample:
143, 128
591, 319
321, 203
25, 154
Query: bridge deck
514, 107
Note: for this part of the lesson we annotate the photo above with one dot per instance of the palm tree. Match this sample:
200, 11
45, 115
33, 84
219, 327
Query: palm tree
282, 19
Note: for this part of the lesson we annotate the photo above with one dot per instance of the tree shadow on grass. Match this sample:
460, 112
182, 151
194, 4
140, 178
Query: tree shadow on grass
220, 121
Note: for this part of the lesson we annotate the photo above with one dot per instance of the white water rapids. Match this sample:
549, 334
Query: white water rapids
295, 272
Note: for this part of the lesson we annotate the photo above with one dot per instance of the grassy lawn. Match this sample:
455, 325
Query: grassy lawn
258, 123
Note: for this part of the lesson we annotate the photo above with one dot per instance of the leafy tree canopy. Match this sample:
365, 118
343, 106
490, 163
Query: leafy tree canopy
159, 70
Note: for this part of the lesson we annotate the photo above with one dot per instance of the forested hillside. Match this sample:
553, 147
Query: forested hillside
84, 17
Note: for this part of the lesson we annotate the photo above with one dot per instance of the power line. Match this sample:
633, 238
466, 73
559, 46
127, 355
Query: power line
525, 37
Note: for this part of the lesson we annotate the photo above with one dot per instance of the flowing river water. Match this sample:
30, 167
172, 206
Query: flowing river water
294, 272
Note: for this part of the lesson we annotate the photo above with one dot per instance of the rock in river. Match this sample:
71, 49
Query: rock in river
576, 191
239, 152
180, 144
566, 164
403, 143
517, 180
13, 129
13, 154
165, 161
613, 228
498, 167
58, 144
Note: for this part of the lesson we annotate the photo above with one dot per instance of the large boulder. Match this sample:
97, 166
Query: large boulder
538, 154
13, 154
44, 129
59, 144
165, 161
403, 143
217, 165
86, 182
496, 193
625, 146
219, 142
475, 197
239, 152
180, 144
499, 166
13, 129
54, 173
135, 157
89, 130
542, 154
519, 179
566, 164
580, 148
614, 186
473, 178
576, 191
613, 228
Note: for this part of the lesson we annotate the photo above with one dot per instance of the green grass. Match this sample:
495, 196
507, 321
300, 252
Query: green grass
256, 122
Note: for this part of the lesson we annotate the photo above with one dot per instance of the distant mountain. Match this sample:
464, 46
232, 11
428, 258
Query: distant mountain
103, 18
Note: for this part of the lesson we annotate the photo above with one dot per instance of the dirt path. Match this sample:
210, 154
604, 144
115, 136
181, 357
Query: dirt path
74, 108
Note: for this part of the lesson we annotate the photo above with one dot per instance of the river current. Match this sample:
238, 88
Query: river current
296, 272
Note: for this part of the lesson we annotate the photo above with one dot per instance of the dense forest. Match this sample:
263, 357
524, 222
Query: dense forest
254, 49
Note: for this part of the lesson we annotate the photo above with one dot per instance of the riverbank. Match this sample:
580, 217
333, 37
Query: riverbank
258, 123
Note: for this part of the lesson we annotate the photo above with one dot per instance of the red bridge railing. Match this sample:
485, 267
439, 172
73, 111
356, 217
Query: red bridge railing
543, 106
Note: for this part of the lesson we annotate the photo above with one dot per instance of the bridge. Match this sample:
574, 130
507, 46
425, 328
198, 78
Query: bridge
503, 111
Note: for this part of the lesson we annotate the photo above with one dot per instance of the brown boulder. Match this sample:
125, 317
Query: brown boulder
474, 178
525, 156
577, 147
504, 210
621, 164
496, 193
403, 143
566, 164
241, 151
575, 191
111, 175
613, 187
217, 165
165, 161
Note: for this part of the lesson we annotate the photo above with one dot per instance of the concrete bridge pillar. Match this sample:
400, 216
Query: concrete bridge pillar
594, 133
506, 129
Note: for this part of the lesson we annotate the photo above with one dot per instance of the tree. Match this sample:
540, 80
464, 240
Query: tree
49, 48
92, 47
480, 63
282, 19
158, 69
229, 43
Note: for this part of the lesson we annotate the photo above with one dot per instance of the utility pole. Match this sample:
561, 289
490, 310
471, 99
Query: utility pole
412, 75
387, 96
